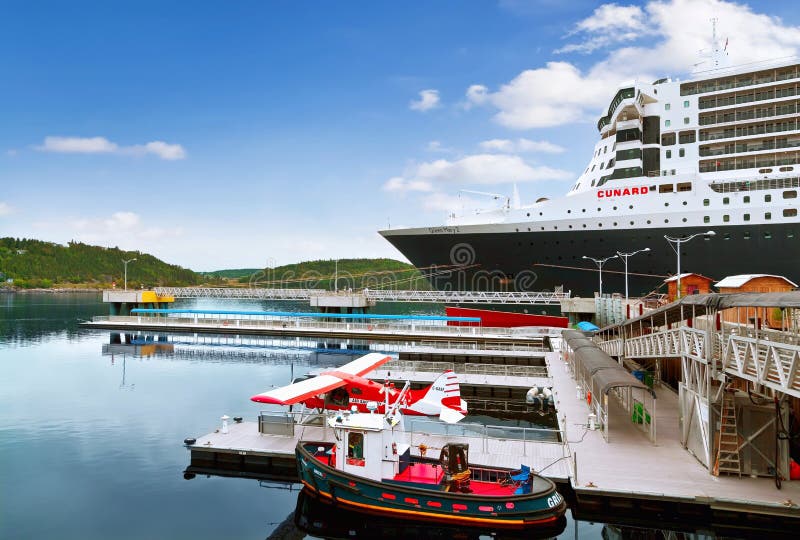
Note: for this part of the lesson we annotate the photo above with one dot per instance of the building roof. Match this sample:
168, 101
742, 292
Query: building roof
737, 281
685, 275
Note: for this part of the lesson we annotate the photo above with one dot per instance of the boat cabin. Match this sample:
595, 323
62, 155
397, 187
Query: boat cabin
370, 445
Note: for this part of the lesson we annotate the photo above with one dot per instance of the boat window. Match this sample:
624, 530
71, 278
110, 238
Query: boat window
790, 212
768, 215
665, 188
355, 447
790, 194
669, 154
747, 217
726, 218
767, 198
681, 152
786, 169
726, 200
706, 219
706, 202
687, 137
767, 235
684, 186
686, 104
667, 123
746, 198
667, 139
666, 106
746, 236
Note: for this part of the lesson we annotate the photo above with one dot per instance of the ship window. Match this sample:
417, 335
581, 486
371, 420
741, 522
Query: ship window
528, 214
593, 166
666, 204
726, 200
726, 218
667, 123
669, 154
687, 137
666, 106
593, 181
569, 211
786, 169
681, 152
666, 221
615, 224
667, 139
602, 165
684, 220
665, 188
684, 186
706, 202
790, 194
615, 208
790, 234
686, 104
726, 236
583, 210
584, 225
630, 206
686, 120
599, 224
605, 149
790, 212
747, 217
768, 215
570, 226
767, 198
746, 236
355, 447
631, 222
764, 171
746, 198
648, 222
767, 235
706, 219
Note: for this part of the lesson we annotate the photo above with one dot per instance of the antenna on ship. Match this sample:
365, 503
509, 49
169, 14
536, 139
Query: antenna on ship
717, 57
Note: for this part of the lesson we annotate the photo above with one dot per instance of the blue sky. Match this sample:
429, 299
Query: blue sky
240, 134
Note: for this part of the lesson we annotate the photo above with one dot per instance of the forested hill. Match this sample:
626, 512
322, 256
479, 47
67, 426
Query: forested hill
353, 273
34, 263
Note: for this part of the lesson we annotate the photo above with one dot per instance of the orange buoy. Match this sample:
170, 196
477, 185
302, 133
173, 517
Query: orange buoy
589, 398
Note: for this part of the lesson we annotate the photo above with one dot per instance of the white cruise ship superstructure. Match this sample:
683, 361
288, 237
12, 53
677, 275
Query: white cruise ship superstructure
719, 152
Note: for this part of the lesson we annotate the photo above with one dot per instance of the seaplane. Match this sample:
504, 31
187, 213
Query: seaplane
347, 388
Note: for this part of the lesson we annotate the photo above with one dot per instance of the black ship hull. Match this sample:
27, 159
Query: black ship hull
540, 261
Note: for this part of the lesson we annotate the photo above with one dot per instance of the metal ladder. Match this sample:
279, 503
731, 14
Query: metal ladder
728, 440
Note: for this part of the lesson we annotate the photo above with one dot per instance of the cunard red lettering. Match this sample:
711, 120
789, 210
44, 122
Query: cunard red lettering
622, 192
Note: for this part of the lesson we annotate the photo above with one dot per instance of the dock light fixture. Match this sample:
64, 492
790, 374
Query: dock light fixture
600, 263
678, 240
625, 258
126, 270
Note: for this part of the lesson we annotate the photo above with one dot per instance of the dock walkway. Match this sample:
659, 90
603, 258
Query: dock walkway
629, 466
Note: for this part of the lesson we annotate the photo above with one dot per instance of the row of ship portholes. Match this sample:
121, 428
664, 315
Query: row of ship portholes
746, 235
599, 209
600, 225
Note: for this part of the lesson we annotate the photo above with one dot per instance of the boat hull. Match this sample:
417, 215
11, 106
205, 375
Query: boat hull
543, 260
540, 508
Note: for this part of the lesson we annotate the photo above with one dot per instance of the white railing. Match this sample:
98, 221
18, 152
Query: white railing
439, 297
467, 368
772, 364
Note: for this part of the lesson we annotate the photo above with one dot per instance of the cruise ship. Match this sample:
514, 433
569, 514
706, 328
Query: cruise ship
719, 152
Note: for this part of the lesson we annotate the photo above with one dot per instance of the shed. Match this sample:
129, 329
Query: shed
690, 284
761, 283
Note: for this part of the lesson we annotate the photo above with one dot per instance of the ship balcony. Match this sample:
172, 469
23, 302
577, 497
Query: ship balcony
775, 112
788, 127
750, 148
764, 95
628, 124
628, 145
754, 80
628, 163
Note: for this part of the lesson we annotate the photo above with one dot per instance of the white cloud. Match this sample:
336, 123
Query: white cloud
12, 152
5, 209
559, 93
428, 99
480, 169
521, 146
101, 145
608, 25
120, 228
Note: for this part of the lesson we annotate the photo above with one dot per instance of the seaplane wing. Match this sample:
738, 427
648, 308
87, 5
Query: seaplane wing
365, 364
325, 382
300, 391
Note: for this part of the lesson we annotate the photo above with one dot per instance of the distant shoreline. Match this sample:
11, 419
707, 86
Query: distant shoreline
53, 290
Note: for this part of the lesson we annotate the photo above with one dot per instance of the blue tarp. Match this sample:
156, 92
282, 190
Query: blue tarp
295, 314
586, 326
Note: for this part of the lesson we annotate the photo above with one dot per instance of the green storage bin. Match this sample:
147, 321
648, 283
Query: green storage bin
639, 413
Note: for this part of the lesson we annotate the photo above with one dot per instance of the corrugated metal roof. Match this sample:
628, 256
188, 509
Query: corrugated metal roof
737, 281
685, 275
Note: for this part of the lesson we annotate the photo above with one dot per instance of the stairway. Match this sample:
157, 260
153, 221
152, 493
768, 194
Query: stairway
728, 441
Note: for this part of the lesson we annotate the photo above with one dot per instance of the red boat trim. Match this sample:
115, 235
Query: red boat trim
446, 518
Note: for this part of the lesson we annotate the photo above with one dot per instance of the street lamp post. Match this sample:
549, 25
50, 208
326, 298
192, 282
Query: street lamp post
600, 263
678, 240
126, 270
625, 258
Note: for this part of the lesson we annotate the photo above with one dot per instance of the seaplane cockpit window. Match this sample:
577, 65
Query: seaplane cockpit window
339, 397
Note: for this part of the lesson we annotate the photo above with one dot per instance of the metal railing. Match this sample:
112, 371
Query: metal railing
439, 297
467, 368
301, 325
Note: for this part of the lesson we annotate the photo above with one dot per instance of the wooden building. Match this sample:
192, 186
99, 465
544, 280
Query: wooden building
771, 317
690, 284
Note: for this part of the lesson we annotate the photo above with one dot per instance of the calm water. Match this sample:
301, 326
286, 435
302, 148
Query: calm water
91, 442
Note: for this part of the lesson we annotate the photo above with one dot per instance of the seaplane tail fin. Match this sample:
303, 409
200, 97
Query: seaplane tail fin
450, 416
444, 393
